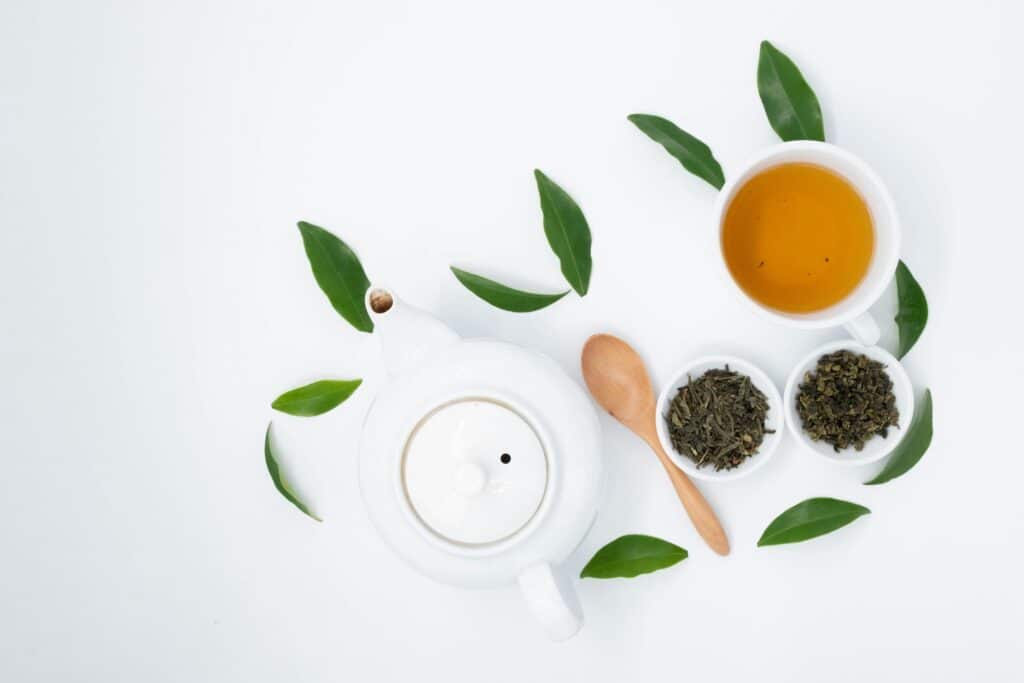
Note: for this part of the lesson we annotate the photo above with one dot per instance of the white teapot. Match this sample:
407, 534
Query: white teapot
479, 461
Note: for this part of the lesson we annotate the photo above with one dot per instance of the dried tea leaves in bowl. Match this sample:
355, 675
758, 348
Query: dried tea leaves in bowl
846, 400
718, 419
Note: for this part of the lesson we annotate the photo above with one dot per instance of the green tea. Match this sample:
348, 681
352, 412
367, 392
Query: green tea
847, 400
718, 419
797, 238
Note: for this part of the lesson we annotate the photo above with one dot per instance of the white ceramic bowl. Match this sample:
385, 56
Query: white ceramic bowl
775, 419
876, 447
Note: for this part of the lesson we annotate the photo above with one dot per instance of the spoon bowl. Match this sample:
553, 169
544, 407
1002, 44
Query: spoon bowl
616, 377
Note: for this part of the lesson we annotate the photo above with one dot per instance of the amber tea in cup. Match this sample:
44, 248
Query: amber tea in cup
797, 237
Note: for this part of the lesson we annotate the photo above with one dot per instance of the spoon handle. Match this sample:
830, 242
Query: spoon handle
697, 507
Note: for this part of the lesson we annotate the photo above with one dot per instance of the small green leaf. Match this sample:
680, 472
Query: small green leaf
914, 444
812, 518
505, 298
316, 398
791, 106
567, 232
338, 272
913, 309
631, 555
694, 155
279, 480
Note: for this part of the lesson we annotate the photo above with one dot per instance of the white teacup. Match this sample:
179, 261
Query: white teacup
851, 311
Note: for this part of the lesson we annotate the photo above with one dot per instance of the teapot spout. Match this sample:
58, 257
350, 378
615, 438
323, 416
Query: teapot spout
408, 336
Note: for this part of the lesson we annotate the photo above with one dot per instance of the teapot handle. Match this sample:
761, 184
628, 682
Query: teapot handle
552, 600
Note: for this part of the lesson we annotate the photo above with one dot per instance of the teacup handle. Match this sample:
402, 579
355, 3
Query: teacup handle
552, 600
864, 329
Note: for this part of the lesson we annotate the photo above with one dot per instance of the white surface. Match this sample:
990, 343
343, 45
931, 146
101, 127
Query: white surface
154, 158
876, 447
774, 421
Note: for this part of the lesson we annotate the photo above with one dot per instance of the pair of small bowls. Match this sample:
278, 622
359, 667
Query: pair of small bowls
782, 411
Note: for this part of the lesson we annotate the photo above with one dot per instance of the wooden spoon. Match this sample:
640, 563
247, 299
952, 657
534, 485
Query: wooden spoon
616, 377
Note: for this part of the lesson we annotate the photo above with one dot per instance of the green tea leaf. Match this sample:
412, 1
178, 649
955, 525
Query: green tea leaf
567, 232
694, 155
631, 555
338, 272
316, 398
505, 298
913, 445
790, 104
912, 315
812, 518
279, 480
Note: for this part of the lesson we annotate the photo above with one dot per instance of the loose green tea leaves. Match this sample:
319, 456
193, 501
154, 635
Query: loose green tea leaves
567, 232
812, 518
792, 108
280, 482
632, 555
316, 398
717, 419
503, 297
338, 272
912, 315
913, 446
846, 400
694, 155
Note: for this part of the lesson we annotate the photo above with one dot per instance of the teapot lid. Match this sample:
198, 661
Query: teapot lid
474, 471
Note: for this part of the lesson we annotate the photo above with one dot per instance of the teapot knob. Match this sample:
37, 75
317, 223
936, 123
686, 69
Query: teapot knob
470, 479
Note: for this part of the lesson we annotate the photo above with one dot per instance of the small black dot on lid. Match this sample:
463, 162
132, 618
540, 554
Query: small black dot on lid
506, 458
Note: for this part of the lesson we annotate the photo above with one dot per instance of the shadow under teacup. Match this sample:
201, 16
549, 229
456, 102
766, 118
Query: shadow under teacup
851, 310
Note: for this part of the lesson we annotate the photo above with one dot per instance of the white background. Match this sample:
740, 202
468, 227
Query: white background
154, 158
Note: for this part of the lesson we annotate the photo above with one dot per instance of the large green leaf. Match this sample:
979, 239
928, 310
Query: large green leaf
338, 272
567, 232
812, 518
694, 155
503, 297
912, 314
631, 555
280, 482
791, 106
914, 444
316, 398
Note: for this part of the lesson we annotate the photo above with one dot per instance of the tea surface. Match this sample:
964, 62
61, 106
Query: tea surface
798, 238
